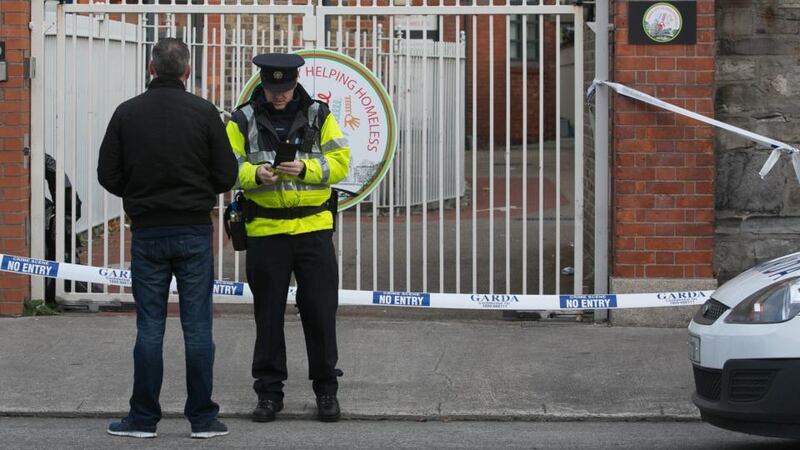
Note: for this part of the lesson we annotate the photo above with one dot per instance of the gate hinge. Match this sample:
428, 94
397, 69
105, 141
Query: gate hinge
29, 67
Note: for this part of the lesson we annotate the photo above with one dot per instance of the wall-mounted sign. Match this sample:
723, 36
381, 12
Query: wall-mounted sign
363, 109
657, 23
416, 23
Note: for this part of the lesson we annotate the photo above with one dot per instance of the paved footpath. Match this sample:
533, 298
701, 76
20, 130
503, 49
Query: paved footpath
414, 369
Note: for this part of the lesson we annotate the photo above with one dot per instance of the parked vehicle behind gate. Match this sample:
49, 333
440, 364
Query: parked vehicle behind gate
744, 344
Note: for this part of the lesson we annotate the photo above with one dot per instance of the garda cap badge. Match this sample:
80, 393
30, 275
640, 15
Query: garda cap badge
277, 75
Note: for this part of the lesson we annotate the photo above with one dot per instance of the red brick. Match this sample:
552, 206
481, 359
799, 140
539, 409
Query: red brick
636, 62
627, 160
704, 49
634, 257
625, 271
626, 215
701, 243
15, 18
666, 77
704, 272
13, 246
10, 218
665, 229
665, 258
625, 244
665, 188
666, 160
694, 173
693, 257
635, 229
704, 187
665, 173
625, 188
665, 92
664, 202
13, 281
634, 174
705, 8
12, 145
664, 215
635, 201
636, 146
10, 6
695, 146
665, 133
665, 146
705, 215
665, 63
664, 243
695, 201
634, 118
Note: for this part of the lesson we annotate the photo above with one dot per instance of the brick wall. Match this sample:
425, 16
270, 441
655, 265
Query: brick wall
497, 68
14, 174
663, 167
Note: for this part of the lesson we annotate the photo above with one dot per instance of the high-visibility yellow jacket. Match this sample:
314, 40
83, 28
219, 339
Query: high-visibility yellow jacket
325, 153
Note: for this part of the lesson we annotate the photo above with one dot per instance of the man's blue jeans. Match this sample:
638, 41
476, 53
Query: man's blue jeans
157, 253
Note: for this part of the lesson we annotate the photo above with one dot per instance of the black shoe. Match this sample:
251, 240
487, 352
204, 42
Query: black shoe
328, 408
266, 410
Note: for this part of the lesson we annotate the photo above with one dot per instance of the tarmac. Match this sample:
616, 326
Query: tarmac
396, 367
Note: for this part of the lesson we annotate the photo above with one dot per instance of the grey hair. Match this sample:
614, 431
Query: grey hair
170, 58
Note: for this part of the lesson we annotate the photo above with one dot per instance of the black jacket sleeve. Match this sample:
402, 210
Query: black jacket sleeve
110, 171
224, 168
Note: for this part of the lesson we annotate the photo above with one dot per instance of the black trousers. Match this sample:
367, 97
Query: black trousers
271, 260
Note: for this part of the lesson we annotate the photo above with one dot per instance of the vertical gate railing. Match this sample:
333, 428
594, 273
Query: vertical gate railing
491, 202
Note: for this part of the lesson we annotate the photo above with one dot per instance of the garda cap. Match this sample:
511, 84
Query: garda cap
278, 70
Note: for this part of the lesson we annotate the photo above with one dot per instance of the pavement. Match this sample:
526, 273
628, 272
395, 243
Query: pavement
395, 367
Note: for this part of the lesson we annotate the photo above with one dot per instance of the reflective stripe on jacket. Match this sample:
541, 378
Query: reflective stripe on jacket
327, 162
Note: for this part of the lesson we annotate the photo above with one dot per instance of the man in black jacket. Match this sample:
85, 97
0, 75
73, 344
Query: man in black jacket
166, 154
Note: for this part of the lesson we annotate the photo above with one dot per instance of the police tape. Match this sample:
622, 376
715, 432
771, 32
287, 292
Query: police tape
777, 147
238, 292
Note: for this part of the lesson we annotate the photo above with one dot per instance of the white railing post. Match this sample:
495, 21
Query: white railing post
37, 142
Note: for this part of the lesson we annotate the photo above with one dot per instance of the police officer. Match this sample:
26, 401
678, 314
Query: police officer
290, 218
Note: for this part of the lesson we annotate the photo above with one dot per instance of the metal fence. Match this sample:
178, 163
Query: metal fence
465, 206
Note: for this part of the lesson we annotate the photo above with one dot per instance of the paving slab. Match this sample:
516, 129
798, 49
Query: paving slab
81, 365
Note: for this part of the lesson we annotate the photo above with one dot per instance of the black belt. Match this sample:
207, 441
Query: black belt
255, 210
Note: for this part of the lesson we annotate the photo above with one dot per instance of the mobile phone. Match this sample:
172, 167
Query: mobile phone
285, 152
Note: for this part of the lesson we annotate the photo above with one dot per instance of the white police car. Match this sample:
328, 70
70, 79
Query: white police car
744, 344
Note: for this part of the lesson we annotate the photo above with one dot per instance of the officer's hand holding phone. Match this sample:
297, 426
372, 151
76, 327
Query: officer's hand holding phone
266, 174
294, 168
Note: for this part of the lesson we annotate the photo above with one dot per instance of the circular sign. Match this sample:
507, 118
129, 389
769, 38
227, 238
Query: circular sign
362, 108
662, 22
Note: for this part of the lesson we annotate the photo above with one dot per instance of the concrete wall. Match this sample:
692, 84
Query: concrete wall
758, 88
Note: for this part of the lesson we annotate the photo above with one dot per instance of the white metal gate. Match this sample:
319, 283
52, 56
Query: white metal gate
485, 194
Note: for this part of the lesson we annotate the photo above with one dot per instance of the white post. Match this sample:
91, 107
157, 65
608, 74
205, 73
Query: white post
601, 199
37, 142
